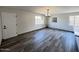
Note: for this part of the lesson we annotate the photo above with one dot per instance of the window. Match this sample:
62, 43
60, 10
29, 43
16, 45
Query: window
39, 20
74, 20
71, 20
77, 20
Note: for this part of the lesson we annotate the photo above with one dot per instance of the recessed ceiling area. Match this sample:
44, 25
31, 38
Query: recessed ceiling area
43, 9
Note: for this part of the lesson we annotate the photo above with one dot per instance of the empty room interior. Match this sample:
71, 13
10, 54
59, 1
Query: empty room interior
39, 28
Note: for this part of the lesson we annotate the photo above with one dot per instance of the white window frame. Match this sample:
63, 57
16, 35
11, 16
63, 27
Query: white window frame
39, 20
73, 20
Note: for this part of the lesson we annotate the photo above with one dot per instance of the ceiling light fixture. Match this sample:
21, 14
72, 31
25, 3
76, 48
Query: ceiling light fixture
48, 13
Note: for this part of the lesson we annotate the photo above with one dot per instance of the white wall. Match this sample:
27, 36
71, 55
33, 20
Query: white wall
25, 20
62, 22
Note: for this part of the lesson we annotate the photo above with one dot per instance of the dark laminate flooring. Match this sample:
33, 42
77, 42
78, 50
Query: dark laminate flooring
45, 40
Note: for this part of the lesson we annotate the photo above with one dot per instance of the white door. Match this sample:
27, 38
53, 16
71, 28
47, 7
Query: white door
0, 31
8, 25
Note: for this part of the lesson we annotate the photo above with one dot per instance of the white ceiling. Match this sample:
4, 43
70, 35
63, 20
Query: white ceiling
43, 9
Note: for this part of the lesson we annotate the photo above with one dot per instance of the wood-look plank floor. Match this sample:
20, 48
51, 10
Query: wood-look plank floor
45, 40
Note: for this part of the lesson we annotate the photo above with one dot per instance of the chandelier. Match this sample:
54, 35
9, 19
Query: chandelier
48, 12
